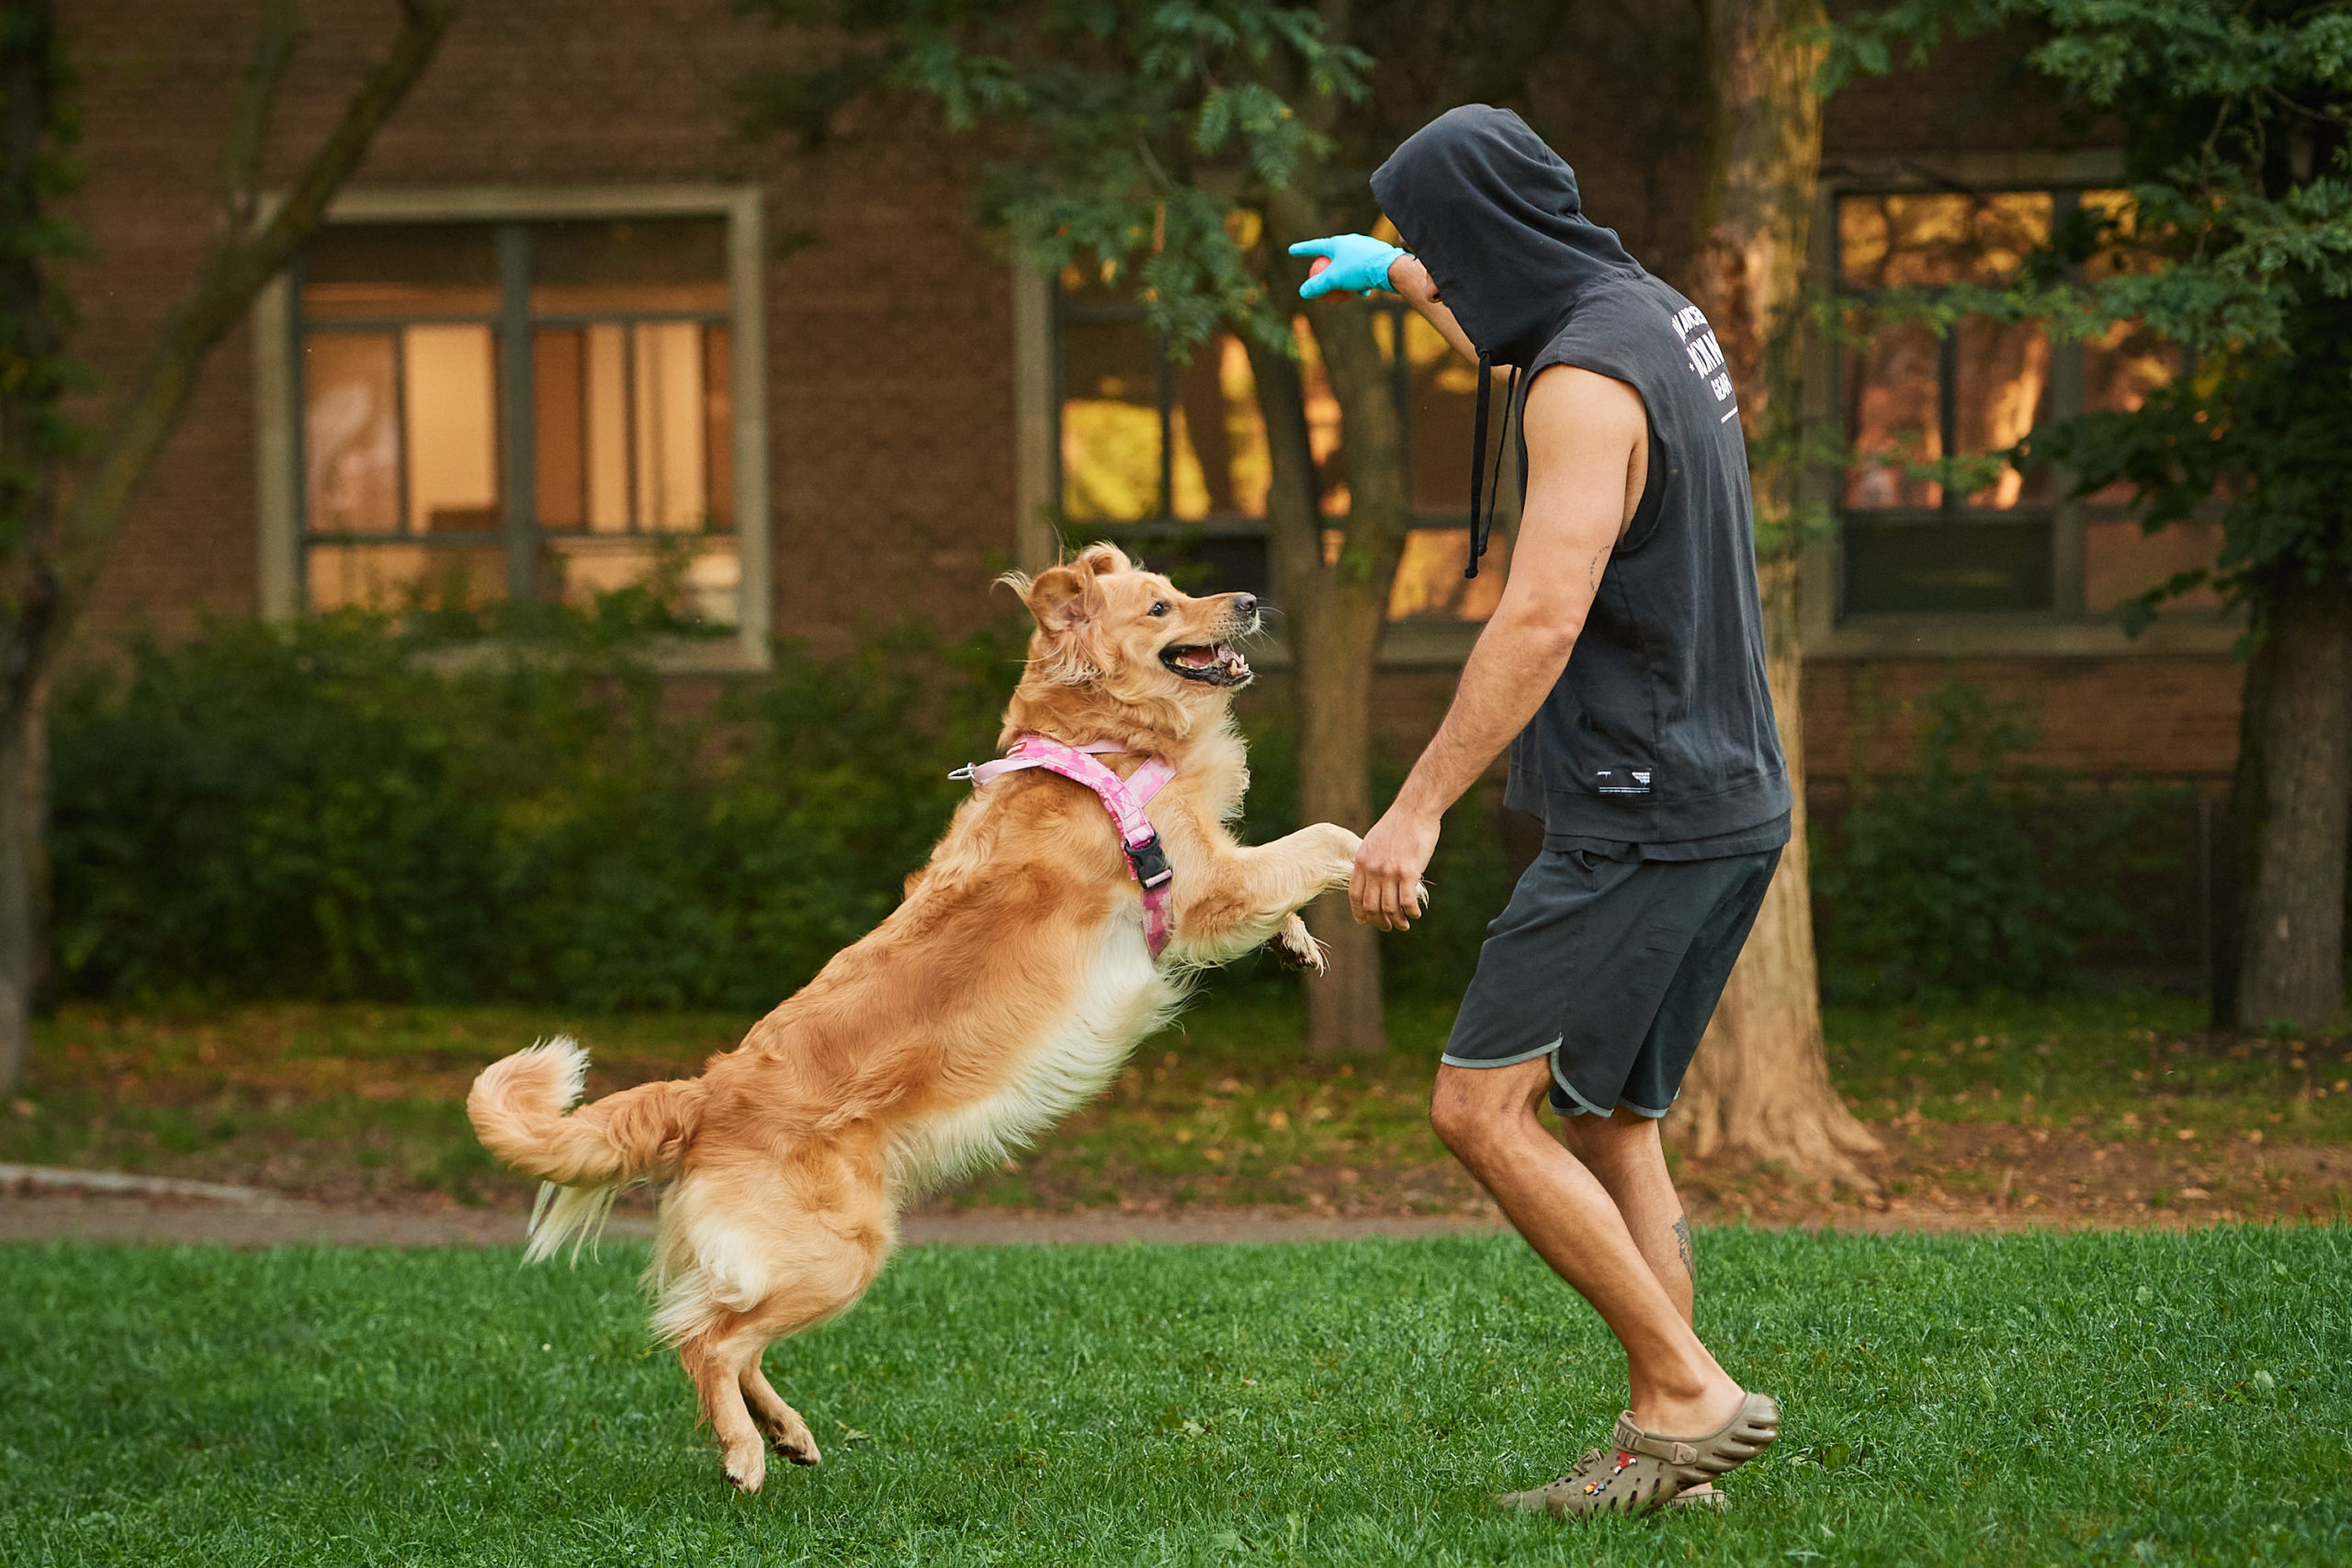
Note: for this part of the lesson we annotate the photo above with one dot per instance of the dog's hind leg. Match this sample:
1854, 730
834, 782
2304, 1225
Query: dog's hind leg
751, 1260
784, 1428
715, 1360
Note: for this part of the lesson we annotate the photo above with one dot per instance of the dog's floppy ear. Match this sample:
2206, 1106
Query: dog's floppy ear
1064, 597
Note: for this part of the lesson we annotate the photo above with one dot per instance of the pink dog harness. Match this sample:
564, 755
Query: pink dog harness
1123, 798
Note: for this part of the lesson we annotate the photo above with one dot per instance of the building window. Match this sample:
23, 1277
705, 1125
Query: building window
1909, 398
550, 403
1172, 457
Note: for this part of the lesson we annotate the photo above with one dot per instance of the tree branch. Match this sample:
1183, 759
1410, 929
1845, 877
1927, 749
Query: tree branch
275, 42
238, 270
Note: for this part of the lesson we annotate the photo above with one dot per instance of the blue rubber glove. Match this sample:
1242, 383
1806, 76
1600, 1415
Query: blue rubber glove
1360, 263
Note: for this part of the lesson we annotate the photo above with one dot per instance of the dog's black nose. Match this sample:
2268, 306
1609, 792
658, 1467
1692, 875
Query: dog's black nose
1245, 604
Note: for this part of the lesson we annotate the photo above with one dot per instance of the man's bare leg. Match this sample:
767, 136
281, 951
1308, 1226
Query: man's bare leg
1623, 1153
1488, 1117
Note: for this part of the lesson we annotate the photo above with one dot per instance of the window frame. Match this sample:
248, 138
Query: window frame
2066, 627
278, 380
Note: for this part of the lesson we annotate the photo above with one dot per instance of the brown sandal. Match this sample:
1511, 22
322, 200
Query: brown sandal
1750, 1430
1647, 1471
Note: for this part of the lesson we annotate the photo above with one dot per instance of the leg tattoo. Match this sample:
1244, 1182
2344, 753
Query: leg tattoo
1682, 1246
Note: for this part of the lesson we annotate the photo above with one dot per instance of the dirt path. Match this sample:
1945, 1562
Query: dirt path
114, 1217
48, 1205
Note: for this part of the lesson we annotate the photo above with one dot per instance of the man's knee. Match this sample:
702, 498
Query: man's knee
1471, 1105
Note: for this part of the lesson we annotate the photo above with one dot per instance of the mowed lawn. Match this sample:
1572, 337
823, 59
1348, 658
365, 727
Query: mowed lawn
2099, 1397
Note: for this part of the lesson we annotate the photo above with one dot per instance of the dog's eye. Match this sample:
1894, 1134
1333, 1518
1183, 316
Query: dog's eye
1159, 607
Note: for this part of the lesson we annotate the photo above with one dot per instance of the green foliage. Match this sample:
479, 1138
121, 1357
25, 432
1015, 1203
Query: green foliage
338, 809
351, 807
37, 375
1118, 112
2158, 1397
1972, 875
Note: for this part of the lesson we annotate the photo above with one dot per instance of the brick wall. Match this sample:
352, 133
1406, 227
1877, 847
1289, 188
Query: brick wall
889, 331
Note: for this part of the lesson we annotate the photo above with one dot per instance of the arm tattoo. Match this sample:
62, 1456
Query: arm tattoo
1682, 1246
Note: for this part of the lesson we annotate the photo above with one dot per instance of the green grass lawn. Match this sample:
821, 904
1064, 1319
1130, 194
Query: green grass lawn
2125, 1398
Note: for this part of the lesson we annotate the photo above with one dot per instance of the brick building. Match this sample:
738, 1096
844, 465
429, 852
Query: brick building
569, 323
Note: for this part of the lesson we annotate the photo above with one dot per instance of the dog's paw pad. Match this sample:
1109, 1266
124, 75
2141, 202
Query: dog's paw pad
1295, 946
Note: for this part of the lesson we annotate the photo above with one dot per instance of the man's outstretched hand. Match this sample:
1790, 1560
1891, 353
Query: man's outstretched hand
1359, 264
1386, 889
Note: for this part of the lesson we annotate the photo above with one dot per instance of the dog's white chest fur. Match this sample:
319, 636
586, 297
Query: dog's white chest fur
1121, 999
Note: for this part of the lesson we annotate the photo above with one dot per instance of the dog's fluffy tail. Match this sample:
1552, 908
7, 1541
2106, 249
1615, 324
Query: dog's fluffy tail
518, 1106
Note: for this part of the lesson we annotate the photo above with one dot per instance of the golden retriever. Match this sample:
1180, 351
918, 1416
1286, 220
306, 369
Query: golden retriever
1006, 990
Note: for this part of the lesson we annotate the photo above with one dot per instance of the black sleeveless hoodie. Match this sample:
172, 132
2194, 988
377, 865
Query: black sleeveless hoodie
1660, 734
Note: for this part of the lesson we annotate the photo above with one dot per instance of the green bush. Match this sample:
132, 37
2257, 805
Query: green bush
338, 809
1972, 874
359, 809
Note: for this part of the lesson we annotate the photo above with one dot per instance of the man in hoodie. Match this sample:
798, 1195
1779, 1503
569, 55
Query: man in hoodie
1624, 670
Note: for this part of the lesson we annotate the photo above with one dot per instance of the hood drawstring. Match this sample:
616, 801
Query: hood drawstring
1482, 502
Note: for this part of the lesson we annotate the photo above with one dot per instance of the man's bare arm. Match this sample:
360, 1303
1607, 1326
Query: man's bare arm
1583, 431
1412, 280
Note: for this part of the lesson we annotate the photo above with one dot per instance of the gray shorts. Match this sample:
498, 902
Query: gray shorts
1611, 968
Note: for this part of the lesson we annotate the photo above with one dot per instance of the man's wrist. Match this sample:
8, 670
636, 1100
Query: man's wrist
1416, 809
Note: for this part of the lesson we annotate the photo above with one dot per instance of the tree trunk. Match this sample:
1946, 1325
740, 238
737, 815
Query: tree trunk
24, 880
35, 441
1760, 1087
1333, 611
55, 550
2290, 803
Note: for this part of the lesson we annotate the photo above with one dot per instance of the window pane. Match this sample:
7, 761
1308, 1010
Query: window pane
2000, 387
1925, 241
632, 265
560, 410
1444, 398
1110, 422
1893, 406
2125, 364
1899, 566
394, 576
2119, 369
1322, 423
351, 432
2117, 207
1430, 580
703, 579
668, 417
2121, 560
606, 399
407, 269
448, 390
1219, 465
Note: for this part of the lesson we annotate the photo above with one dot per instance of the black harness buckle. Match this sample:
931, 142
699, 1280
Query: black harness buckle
1150, 862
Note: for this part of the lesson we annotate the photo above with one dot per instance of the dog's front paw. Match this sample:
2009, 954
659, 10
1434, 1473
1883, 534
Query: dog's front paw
1295, 945
1341, 845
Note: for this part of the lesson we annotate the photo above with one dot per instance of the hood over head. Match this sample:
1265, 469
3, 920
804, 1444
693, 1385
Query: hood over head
1495, 216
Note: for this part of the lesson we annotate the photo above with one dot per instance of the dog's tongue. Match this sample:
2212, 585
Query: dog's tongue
1205, 657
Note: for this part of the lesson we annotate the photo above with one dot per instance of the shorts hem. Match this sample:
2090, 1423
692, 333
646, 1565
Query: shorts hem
1451, 1060
1583, 1107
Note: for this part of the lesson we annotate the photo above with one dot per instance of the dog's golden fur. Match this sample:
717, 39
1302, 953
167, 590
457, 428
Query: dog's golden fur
1005, 990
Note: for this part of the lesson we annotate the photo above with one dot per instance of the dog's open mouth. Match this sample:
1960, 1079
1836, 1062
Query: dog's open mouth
1210, 664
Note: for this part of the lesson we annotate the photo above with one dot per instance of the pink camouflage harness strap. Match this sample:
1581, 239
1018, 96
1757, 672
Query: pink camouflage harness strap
1123, 798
